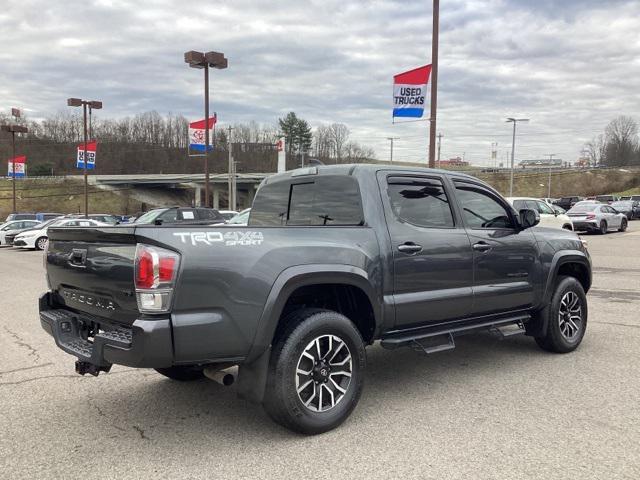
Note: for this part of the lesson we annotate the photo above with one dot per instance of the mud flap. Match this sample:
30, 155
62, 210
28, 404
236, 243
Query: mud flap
252, 378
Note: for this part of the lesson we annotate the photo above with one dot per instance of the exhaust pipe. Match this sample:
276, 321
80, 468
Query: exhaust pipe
224, 377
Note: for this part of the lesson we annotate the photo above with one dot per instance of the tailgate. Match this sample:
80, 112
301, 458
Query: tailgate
91, 270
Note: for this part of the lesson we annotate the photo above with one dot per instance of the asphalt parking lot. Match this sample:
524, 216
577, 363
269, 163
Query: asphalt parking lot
489, 409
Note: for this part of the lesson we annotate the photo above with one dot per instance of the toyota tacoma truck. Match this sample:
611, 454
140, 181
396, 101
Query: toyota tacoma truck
333, 258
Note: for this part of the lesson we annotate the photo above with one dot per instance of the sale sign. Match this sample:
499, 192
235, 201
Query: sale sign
19, 163
91, 155
197, 138
409, 92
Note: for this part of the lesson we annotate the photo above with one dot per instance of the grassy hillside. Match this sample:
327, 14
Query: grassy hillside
64, 196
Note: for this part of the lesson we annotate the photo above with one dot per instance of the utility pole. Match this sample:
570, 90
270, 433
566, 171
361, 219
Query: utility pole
391, 139
439, 145
434, 83
230, 181
513, 149
550, 155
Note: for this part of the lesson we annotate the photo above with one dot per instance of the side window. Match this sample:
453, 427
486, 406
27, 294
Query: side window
186, 214
169, 216
480, 209
208, 214
544, 208
519, 205
420, 201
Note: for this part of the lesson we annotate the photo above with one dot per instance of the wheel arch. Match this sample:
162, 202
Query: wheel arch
253, 372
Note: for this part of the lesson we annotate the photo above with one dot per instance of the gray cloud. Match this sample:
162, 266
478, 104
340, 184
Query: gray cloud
569, 66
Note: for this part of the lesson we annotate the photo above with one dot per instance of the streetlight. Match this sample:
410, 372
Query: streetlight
550, 155
13, 129
94, 105
513, 148
391, 139
206, 60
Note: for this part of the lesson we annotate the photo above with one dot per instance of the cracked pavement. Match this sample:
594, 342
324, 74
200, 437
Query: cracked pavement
489, 409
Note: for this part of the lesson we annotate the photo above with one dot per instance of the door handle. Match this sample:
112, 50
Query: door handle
409, 248
481, 247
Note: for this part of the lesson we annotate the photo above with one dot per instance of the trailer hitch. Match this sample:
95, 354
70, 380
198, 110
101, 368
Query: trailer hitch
82, 368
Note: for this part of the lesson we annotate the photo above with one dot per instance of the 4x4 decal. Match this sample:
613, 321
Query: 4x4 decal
229, 239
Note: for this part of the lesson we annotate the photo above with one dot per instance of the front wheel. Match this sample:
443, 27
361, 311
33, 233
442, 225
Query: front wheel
316, 372
41, 243
566, 317
623, 225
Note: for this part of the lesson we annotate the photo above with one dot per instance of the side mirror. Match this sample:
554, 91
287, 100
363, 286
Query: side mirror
529, 218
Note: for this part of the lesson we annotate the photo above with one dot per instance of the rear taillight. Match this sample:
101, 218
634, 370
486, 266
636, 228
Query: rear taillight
155, 274
591, 216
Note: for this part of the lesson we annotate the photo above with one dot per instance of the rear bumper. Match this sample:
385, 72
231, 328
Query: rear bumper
585, 226
146, 343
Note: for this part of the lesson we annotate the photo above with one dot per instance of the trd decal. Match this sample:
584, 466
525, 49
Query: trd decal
229, 239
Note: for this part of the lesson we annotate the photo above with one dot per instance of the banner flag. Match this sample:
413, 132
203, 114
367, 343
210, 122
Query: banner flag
282, 155
20, 166
91, 155
409, 92
197, 134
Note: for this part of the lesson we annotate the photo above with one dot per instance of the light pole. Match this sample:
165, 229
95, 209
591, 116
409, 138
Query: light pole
391, 139
204, 61
513, 148
434, 82
550, 155
94, 105
13, 129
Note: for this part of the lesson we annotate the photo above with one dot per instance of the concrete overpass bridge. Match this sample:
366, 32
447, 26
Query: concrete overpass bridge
246, 184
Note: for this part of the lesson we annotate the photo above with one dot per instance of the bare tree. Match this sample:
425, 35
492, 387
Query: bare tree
621, 136
595, 149
339, 134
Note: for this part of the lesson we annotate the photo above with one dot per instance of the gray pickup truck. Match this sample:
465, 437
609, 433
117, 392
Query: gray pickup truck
333, 258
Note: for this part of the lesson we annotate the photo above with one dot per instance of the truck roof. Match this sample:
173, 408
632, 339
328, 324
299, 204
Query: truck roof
351, 168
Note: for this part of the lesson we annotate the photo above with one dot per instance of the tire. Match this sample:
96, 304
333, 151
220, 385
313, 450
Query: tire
41, 243
561, 336
603, 228
623, 225
182, 373
309, 331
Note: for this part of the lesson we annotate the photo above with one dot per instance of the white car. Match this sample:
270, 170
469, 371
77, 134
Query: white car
227, 214
37, 237
13, 225
548, 216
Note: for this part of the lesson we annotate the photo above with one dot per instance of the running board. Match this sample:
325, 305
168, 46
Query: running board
442, 339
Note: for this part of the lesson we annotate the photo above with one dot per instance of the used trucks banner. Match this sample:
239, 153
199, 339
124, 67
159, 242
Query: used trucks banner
197, 134
20, 163
91, 155
409, 92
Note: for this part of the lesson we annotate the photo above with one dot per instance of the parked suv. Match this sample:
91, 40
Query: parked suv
333, 259
185, 215
568, 202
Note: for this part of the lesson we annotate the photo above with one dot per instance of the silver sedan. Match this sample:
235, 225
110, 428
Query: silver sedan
597, 217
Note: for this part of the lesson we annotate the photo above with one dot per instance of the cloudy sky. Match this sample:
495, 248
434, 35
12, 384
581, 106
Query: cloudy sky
570, 66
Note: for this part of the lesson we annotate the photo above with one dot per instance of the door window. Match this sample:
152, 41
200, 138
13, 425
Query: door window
482, 210
420, 201
544, 208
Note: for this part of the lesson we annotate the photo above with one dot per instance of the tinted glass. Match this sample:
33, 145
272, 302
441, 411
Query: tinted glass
481, 210
150, 216
325, 200
209, 214
584, 208
168, 216
420, 201
519, 205
544, 208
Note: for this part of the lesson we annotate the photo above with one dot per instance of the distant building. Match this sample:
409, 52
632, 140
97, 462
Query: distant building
454, 162
541, 163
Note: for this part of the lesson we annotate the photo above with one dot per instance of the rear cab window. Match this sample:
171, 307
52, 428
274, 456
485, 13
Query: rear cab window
323, 200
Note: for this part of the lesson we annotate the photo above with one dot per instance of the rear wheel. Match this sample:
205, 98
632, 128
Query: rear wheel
603, 228
41, 243
623, 225
182, 373
566, 317
316, 372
